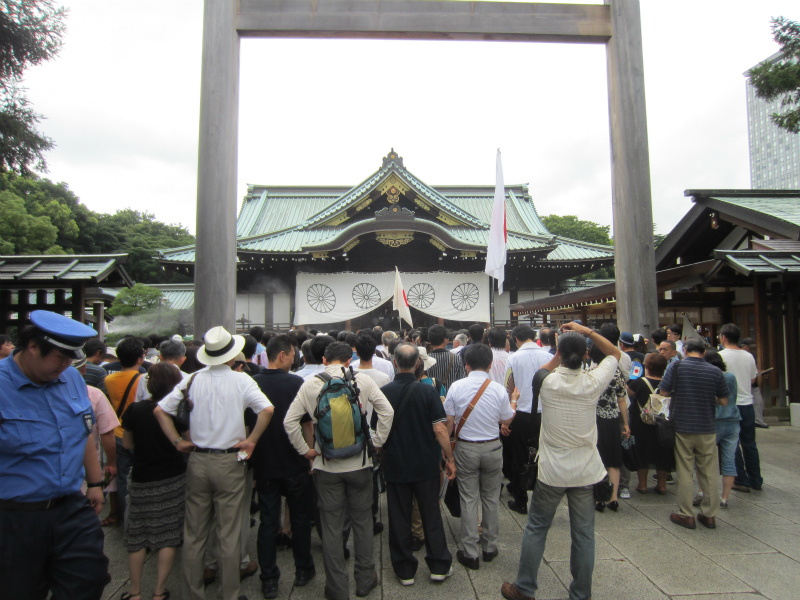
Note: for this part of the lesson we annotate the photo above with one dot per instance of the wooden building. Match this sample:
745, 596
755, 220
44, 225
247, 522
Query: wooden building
734, 257
78, 286
288, 235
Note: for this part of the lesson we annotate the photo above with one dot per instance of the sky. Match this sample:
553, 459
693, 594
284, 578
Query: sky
121, 101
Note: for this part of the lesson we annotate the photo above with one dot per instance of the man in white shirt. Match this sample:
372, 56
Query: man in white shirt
313, 357
344, 485
478, 455
522, 365
170, 351
381, 364
742, 364
459, 343
215, 477
569, 462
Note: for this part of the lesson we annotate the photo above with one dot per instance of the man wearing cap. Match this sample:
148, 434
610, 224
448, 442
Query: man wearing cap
215, 476
50, 537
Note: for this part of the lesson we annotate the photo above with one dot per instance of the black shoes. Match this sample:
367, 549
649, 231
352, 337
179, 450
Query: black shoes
470, 563
599, 506
517, 507
417, 543
377, 527
370, 587
302, 578
269, 589
490, 556
613, 505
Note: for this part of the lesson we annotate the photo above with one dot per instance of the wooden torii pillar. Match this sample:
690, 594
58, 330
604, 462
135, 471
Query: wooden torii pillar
617, 24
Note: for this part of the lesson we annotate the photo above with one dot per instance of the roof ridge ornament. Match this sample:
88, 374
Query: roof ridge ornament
393, 157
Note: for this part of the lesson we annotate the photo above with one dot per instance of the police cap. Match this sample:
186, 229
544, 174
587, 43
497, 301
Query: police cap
66, 334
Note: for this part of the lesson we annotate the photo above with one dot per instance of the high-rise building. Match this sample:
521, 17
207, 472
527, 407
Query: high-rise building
774, 152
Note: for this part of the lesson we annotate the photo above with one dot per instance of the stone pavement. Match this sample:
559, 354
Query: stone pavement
754, 552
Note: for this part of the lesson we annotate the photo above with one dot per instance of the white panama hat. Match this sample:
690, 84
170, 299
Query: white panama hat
220, 346
427, 361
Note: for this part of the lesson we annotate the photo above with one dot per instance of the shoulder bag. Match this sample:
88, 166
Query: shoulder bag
123, 403
185, 406
665, 429
452, 498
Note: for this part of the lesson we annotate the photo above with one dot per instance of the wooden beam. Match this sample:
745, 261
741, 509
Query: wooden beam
428, 20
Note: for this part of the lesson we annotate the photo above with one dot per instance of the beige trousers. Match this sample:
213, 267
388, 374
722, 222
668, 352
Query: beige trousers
214, 487
697, 450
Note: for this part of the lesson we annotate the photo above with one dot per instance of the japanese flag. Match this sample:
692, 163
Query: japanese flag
400, 299
498, 238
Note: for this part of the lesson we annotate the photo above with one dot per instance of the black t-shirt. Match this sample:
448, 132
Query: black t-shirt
154, 456
412, 452
274, 456
636, 356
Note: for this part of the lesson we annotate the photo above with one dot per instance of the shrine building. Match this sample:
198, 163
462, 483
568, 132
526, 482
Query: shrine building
326, 256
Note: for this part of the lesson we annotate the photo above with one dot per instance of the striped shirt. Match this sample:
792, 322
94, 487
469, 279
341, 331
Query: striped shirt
694, 386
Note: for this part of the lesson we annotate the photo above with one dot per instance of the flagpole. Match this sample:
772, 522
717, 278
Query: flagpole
491, 302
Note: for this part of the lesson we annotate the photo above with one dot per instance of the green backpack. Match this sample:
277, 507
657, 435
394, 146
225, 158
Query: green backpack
339, 428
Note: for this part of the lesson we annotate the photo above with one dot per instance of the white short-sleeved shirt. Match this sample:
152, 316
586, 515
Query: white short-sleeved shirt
742, 364
380, 378
383, 365
141, 387
523, 364
494, 406
568, 455
220, 397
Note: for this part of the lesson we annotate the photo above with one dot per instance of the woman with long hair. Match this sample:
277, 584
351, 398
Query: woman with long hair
157, 487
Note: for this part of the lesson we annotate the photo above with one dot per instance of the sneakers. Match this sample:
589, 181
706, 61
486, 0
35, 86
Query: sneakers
435, 577
698, 499
624, 493
408, 581
723, 503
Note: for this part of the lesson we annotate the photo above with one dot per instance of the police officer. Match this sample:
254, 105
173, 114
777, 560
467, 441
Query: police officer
50, 536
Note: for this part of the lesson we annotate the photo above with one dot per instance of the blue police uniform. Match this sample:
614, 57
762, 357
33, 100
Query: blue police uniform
50, 537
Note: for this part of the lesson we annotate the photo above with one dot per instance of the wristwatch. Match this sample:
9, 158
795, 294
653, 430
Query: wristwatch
95, 484
178, 441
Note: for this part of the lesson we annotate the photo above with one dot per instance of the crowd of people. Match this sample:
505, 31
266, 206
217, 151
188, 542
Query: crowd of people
189, 439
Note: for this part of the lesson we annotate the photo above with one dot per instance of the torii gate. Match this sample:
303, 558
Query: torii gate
617, 24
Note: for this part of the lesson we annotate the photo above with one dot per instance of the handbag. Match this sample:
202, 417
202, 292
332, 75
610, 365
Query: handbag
185, 406
603, 490
530, 472
452, 497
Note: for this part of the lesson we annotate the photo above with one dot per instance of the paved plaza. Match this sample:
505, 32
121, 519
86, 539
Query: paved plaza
753, 553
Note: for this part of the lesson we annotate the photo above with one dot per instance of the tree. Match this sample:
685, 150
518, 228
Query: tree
31, 32
572, 227
781, 79
131, 301
23, 233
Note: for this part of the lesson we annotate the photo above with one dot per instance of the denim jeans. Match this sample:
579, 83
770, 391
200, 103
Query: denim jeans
124, 464
748, 465
581, 524
727, 440
297, 490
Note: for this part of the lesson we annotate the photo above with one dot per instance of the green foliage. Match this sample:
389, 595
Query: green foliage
23, 233
31, 32
38, 216
572, 227
132, 301
781, 79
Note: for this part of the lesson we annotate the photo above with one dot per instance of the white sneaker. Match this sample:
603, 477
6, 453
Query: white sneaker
723, 503
407, 581
624, 493
435, 577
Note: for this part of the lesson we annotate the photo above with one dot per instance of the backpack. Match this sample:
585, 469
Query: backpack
339, 428
655, 405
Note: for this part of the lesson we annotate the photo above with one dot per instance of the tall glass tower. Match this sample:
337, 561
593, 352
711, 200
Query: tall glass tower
774, 153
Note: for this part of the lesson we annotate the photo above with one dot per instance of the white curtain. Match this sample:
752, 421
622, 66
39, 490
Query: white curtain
331, 298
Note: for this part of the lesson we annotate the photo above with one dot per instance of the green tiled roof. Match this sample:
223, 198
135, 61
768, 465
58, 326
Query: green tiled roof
289, 219
785, 208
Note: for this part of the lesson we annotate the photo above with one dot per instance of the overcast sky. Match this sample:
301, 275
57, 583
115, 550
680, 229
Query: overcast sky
122, 104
